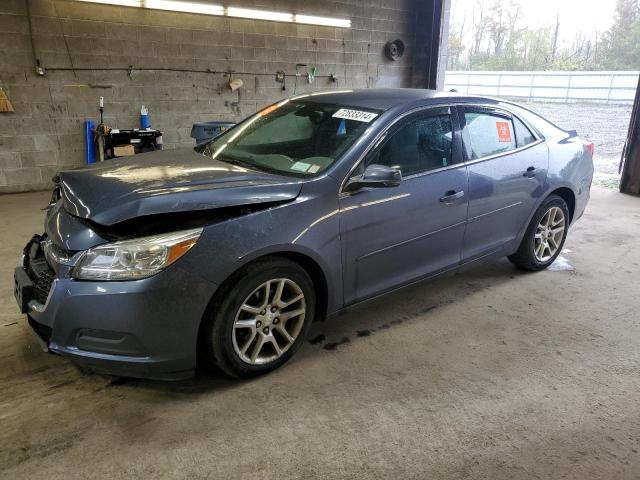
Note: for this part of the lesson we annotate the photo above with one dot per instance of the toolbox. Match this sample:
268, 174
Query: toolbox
205, 131
119, 143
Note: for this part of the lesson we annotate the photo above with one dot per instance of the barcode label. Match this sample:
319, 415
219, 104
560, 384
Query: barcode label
357, 115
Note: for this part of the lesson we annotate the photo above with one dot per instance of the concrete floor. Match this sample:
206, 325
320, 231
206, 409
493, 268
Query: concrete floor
492, 374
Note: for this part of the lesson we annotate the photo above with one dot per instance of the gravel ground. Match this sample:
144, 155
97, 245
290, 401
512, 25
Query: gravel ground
605, 125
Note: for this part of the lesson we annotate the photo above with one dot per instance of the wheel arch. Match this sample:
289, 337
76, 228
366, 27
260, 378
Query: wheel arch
569, 197
317, 275
563, 191
307, 262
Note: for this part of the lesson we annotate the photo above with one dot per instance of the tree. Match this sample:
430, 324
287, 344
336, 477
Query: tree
455, 48
554, 43
498, 39
502, 23
479, 22
620, 46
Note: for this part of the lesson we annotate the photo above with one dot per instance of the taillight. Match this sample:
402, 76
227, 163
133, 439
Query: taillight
589, 146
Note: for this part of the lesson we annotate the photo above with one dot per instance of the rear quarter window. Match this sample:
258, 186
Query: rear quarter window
523, 134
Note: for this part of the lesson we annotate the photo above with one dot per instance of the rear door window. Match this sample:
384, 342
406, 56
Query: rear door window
486, 134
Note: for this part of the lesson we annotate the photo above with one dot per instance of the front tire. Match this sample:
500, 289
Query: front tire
545, 236
259, 321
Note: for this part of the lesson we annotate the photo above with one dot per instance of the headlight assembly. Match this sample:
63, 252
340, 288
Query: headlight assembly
136, 258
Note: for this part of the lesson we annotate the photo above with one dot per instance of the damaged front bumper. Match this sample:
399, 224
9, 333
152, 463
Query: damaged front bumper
144, 328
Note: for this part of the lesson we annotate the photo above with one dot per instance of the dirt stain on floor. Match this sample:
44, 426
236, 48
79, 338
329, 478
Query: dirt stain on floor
335, 345
318, 339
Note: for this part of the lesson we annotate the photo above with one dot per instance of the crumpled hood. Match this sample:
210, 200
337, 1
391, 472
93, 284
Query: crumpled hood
168, 181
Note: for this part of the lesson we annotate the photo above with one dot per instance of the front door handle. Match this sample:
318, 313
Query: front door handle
530, 173
451, 195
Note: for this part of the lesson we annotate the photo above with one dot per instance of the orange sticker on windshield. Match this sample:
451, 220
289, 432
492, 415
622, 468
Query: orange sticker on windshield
504, 132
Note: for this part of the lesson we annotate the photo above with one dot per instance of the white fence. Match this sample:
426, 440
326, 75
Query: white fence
600, 87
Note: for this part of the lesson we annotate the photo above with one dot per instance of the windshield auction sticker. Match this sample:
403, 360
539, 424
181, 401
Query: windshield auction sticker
300, 166
357, 115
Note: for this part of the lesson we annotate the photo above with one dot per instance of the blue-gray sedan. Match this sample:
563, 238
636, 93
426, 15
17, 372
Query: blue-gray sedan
227, 253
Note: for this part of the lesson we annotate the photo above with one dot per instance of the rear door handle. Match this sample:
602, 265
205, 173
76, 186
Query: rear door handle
531, 172
451, 195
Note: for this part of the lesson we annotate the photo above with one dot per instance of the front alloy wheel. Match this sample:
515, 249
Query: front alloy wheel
269, 321
259, 318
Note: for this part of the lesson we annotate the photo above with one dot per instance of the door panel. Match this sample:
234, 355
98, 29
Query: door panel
502, 189
391, 236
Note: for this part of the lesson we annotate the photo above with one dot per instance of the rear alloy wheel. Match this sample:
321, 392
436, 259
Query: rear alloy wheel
545, 236
260, 318
549, 234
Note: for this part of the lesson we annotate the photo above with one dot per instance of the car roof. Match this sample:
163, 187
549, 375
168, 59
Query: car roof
386, 98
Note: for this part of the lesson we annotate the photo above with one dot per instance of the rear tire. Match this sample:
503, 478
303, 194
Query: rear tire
545, 236
260, 319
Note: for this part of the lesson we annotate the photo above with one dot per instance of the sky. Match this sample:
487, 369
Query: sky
587, 16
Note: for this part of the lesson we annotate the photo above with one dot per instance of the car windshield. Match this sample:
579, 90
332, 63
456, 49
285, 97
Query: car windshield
293, 137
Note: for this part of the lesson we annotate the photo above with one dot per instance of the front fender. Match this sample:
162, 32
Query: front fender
308, 226
293, 250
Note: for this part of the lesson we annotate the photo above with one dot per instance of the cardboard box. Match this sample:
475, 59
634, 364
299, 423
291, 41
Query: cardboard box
123, 151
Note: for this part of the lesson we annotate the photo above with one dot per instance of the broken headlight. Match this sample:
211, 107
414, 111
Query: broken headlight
136, 258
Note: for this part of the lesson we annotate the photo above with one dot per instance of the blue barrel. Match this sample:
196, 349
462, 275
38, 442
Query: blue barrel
89, 150
144, 117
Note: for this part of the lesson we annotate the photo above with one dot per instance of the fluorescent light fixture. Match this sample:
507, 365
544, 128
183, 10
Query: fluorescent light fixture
122, 3
178, 6
259, 14
211, 9
170, 5
327, 21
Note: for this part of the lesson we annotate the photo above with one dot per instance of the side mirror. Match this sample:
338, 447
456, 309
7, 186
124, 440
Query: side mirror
375, 176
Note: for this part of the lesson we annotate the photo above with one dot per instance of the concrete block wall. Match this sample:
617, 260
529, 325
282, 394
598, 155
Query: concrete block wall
44, 134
